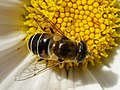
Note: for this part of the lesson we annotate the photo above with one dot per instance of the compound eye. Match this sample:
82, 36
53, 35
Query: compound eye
82, 52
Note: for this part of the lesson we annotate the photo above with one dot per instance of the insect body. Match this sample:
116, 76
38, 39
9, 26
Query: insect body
51, 47
45, 46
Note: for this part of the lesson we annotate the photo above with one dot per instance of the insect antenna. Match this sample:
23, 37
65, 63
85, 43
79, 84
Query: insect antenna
51, 23
38, 24
47, 20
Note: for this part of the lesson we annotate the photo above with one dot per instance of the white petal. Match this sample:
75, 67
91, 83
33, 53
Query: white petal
54, 81
10, 26
10, 80
9, 2
78, 80
44, 79
39, 82
84, 80
90, 81
13, 48
10, 60
11, 15
63, 80
113, 62
105, 77
10, 40
70, 81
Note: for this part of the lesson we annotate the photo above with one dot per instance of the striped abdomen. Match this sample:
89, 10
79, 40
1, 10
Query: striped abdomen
39, 43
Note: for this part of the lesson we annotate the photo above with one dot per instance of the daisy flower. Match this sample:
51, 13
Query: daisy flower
96, 22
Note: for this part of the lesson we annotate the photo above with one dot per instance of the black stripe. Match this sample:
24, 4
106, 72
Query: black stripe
43, 44
40, 47
34, 43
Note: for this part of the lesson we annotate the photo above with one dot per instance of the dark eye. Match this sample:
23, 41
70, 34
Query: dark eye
82, 51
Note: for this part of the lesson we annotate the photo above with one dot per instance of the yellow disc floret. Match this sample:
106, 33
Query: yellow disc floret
93, 21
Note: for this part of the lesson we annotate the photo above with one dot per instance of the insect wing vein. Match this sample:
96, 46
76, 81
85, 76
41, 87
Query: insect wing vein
30, 69
33, 68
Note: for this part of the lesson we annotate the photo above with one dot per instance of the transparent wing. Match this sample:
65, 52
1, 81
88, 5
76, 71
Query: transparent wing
32, 69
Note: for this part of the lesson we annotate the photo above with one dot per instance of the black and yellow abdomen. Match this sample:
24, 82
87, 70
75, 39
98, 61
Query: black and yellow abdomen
39, 43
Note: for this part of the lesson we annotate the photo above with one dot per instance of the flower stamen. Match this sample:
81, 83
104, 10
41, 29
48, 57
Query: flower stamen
94, 21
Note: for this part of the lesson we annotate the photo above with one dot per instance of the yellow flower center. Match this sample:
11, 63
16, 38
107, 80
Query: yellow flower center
93, 21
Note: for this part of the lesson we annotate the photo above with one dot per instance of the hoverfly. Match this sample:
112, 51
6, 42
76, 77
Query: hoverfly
52, 47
